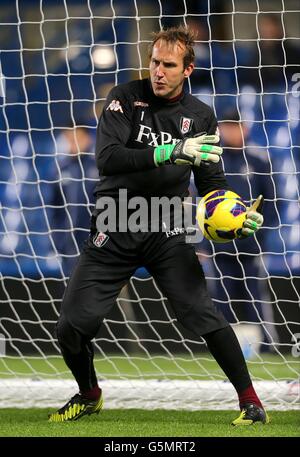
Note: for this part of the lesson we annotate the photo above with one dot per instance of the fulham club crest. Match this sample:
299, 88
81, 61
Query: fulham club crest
100, 239
185, 125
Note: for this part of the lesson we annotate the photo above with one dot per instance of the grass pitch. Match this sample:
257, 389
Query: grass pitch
141, 423
145, 423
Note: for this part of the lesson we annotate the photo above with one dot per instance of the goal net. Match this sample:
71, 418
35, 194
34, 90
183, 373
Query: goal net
58, 62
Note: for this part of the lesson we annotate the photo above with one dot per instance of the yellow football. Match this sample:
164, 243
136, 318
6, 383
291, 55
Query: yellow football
220, 215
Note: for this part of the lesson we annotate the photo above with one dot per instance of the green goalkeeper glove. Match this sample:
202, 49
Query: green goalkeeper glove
254, 219
190, 151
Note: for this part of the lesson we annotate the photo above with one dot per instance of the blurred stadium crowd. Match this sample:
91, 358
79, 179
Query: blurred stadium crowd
56, 67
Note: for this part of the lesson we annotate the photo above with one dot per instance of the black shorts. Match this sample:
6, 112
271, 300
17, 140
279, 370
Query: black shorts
108, 261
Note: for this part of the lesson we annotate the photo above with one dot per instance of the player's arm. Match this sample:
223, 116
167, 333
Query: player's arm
113, 132
210, 174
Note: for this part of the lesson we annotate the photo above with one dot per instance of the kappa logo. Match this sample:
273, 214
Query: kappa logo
115, 105
100, 239
185, 124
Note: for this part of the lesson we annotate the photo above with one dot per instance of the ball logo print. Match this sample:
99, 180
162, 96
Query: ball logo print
220, 215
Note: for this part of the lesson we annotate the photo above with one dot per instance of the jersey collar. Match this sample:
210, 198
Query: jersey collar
165, 101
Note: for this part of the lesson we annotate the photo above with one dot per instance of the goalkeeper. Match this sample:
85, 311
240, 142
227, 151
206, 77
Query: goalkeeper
151, 136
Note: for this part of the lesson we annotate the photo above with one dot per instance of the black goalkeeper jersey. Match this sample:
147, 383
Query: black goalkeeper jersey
133, 122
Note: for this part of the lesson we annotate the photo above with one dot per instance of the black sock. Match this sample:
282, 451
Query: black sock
82, 367
225, 348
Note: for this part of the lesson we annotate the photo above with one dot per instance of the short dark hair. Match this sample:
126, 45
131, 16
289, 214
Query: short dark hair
172, 35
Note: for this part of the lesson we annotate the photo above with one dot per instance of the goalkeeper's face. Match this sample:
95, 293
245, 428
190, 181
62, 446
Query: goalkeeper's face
167, 72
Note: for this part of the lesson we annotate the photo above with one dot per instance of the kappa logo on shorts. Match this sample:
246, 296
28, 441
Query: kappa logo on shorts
100, 239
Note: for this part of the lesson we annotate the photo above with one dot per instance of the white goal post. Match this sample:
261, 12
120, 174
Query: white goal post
58, 62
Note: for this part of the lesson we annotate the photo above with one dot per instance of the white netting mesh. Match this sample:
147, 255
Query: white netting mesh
57, 63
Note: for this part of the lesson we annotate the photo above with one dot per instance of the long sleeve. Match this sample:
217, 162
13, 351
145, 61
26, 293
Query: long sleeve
210, 176
114, 129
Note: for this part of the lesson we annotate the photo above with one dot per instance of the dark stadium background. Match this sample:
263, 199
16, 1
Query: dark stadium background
47, 90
